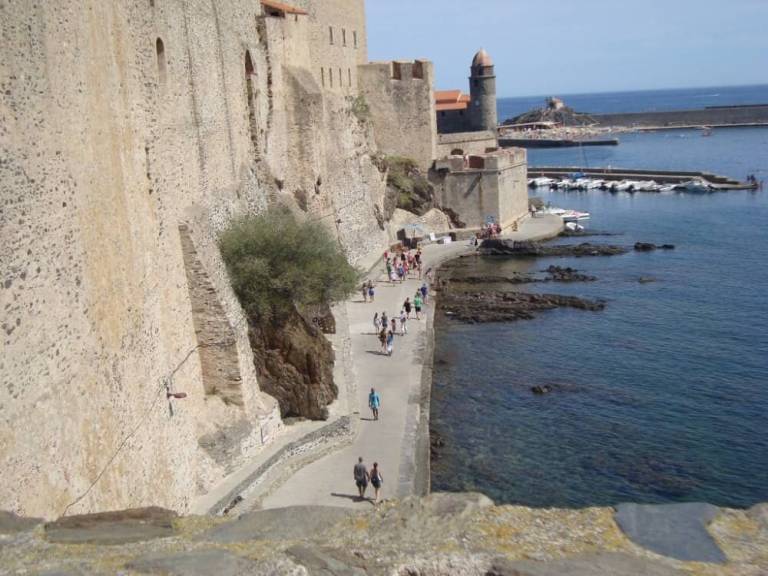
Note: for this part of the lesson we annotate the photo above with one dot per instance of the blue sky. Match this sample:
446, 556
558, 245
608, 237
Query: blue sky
545, 47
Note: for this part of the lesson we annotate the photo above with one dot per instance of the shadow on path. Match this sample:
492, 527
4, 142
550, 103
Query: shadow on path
352, 497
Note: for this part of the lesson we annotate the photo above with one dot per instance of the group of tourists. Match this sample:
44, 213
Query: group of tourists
399, 266
386, 328
402, 264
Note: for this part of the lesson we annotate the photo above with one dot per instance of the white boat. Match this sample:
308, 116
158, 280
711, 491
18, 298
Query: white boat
574, 216
695, 185
624, 185
667, 188
565, 184
574, 227
593, 184
541, 182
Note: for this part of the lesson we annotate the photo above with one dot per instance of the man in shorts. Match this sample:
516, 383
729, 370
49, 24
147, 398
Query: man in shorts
361, 477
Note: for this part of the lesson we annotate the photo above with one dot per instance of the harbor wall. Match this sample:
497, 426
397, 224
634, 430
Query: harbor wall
716, 116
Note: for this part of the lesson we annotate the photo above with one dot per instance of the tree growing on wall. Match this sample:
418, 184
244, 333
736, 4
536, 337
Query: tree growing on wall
276, 263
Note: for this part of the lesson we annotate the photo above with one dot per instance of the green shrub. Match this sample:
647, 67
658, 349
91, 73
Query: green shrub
360, 108
276, 262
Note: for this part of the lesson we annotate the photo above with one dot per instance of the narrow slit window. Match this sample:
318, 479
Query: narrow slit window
341, 82
349, 76
354, 37
162, 66
330, 34
322, 76
330, 76
343, 36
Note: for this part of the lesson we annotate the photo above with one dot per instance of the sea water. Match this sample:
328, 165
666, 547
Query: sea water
662, 396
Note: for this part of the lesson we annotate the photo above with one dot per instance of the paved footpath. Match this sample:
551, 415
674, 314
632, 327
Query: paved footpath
390, 441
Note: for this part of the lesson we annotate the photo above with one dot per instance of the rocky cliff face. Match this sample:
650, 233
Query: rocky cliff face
440, 535
294, 363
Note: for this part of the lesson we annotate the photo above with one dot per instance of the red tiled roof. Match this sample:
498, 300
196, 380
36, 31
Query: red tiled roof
443, 106
450, 100
285, 8
447, 95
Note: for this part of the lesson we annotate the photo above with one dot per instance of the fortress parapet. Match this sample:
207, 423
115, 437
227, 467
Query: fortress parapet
400, 101
484, 188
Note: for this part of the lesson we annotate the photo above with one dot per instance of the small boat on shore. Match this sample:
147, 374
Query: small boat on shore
574, 216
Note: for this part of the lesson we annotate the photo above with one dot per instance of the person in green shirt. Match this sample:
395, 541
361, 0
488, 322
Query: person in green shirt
417, 303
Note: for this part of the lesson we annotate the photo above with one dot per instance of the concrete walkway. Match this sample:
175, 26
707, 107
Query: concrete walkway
391, 441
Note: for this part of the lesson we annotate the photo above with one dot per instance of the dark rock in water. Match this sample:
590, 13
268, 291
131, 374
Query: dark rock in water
648, 247
118, 527
581, 233
436, 442
540, 390
646, 279
513, 279
499, 247
567, 274
495, 306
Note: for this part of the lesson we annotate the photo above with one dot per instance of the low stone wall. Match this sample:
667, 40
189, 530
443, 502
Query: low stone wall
467, 142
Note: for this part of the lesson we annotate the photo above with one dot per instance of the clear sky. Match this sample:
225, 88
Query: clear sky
543, 47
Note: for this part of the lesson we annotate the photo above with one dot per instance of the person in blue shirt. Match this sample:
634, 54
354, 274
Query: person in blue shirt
424, 292
374, 402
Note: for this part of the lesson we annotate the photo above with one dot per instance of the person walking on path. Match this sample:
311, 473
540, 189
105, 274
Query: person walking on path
374, 402
383, 339
403, 327
365, 292
384, 321
361, 475
424, 291
376, 325
371, 292
376, 481
417, 302
390, 343
394, 325
407, 307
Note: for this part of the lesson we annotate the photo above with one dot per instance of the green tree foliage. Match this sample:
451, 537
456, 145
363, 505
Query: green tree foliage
414, 192
276, 262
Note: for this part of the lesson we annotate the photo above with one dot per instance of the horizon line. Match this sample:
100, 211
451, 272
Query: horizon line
555, 94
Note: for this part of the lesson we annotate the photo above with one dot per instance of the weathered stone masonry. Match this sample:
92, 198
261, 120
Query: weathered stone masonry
119, 124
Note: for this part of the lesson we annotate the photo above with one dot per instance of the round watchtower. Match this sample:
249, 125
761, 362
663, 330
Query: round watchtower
482, 90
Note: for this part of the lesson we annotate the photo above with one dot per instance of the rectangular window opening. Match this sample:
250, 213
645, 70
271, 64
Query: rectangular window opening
322, 76
354, 37
330, 34
343, 36
349, 76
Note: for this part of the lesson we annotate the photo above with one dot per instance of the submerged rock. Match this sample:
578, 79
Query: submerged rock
495, 306
567, 274
648, 247
500, 247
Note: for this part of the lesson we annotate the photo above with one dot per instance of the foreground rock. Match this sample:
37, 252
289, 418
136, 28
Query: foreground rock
440, 535
499, 247
118, 527
567, 274
496, 306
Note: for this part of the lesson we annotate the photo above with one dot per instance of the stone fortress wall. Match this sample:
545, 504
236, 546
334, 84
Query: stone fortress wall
130, 134
484, 188
401, 103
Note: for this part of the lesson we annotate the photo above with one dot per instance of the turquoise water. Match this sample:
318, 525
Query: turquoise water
661, 397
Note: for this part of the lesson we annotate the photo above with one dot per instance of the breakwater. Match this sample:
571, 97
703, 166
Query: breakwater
715, 116
717, 181
554, 142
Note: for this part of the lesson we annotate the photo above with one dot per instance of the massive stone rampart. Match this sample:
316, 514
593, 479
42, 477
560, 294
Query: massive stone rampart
131, 133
